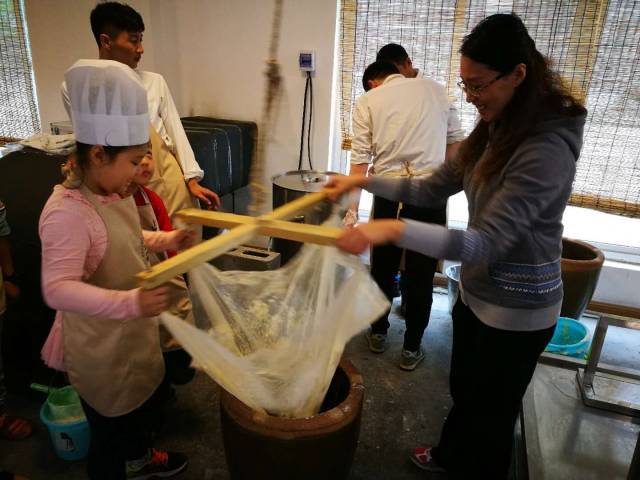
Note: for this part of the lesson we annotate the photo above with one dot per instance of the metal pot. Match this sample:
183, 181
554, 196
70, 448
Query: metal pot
290, 186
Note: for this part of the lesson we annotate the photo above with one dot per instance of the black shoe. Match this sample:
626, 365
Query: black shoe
160, 465
409, 360
376, 342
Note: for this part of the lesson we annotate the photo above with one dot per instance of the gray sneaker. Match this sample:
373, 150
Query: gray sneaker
376, 342
409, 360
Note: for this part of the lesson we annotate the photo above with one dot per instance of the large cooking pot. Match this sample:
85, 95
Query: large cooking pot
290, 186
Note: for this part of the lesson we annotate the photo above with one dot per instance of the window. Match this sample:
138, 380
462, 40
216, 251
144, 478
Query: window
18, 106
594, 44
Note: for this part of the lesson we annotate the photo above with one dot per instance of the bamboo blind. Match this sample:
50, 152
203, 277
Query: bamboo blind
18, 107
594, 44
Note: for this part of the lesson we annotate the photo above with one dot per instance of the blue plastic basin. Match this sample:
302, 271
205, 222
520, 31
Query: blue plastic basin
570, 338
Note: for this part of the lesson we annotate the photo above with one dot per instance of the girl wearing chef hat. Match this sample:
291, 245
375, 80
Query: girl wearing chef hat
92, 247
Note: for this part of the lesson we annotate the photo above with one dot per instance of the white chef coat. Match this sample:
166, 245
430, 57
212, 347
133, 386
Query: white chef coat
403, 127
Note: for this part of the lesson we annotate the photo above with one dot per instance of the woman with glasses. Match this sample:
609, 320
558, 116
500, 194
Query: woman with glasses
516, 168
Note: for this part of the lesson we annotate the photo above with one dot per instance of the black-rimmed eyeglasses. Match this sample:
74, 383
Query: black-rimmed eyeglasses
475, 91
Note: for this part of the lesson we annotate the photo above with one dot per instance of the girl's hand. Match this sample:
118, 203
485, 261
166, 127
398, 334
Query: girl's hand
153, 302
182, 239
338, 185
358, 239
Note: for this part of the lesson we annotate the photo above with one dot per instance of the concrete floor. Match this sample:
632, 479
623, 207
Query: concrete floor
401, 410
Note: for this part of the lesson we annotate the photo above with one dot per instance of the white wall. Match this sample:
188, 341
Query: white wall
60, 34
618, 284
213, 54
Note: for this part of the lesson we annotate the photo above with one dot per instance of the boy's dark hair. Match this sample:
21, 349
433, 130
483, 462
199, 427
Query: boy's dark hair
392, 52
377, 70
112, 18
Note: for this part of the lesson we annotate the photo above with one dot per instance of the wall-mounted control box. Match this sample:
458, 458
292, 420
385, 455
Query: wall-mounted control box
307, 61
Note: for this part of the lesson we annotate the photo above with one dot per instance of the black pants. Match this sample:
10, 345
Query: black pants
178, 369
417, 276
490, 372
116, 440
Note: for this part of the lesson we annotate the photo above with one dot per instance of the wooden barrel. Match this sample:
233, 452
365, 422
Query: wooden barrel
262, 446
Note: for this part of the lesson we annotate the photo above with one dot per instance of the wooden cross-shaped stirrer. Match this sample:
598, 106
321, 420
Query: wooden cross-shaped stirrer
243, 229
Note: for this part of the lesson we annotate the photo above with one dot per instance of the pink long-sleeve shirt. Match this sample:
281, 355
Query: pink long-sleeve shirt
74, 242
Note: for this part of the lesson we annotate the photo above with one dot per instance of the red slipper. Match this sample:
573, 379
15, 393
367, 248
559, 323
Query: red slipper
14, 428
422, 458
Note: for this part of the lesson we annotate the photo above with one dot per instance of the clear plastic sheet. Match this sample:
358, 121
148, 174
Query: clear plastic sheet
274, 338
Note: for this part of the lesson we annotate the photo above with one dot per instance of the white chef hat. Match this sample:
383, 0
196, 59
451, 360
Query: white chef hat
108, 103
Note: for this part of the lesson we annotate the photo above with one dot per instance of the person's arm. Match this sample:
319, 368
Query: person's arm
452, 151
168, 241
356, 169
455, 133
175, 130
65, 98
540, 174
362, 141
361, 147
66, 241
184, 153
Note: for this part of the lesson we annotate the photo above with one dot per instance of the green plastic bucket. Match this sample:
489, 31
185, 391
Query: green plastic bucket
64, 403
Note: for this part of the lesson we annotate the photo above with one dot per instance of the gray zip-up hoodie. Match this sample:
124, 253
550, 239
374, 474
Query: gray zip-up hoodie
511, 250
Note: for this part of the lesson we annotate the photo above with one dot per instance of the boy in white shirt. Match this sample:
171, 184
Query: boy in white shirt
396, 54
403, 127
118, 30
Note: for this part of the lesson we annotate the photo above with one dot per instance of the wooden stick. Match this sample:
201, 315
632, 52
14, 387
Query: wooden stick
185, 261
300, 232
295, 207
229, 220
213, 219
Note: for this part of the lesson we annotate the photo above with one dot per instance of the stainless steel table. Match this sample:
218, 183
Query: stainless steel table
568, 440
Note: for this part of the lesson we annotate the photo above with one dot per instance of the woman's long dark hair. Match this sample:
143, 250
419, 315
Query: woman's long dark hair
501, 42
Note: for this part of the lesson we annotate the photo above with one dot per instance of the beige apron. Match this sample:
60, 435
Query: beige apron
180, 300
115, 365
168, 180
